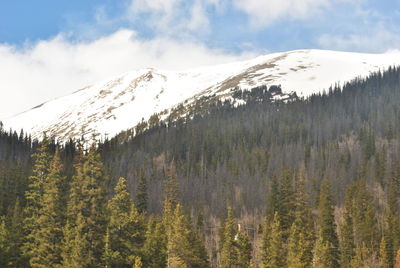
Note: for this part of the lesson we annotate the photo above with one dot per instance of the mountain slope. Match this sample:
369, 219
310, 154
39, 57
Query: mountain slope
122, 102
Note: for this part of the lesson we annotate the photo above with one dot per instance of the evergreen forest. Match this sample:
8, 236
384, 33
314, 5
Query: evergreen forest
303, 183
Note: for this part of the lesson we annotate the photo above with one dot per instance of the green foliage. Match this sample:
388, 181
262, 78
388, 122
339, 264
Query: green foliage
385, 258
125, 233
4, 243
228, 247
184, 249
224, 154
328, 240
85, 231
322, 254
244, 250
364, 216
34, 197
142, 197
286, 206
301, 237
50, 219
347, 240
155, 246
276, 251
266, 239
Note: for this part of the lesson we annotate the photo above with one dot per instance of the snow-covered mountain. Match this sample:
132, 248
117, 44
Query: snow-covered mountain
120, 103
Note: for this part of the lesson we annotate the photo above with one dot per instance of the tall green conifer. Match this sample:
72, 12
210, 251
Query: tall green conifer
125, 229
327, 236
48, 235
87, 221
34, 196
228, 247
276, 251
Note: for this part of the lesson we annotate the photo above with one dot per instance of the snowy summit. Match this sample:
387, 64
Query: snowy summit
120, 103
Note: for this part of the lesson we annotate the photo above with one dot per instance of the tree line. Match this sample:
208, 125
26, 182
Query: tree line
310, 183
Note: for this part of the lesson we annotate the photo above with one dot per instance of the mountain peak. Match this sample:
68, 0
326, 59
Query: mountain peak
120, 103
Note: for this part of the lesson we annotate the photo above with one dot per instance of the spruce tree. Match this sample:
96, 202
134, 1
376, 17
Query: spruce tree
347, 238
183, 247
171, 196
276, 251
16, 236
125, 228
327, 227
48, 235
273, 198
266, 240
301, 237
322, 256
393, 214
87, 221
141, 197
362, 257
4, 243
155, 246
34, 196
244, 250
228, 247
385, 259
364, 218
286, 206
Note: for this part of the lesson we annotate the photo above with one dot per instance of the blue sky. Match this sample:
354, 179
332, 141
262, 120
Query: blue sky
230, 25
59, 46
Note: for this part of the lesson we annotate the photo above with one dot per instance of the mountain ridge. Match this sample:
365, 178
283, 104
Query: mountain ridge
113, 105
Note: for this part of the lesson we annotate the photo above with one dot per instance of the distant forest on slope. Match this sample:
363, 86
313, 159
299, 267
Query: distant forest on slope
310, 183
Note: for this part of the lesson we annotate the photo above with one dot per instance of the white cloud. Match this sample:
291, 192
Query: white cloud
179, 18
376, 39
265, 12
172, 17
58, 66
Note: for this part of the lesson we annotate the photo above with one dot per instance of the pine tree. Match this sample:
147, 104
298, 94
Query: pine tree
276, 251
286, 205
141, 197
34, 196
327, 228
16, 236
347, 238
155, 246
244, 250
48, 235
171, 196
109, 257
228, 247
362, 257
4, 243
76, 249
87, 221
273, 198
266, 240
301, 237
364, 219
393, 215
323, 254
183, 247
125, 228
384, 254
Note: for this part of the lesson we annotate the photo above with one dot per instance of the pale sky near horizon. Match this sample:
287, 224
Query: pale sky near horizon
50, 48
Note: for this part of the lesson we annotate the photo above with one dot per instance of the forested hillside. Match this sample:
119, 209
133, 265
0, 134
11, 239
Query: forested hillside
304, 183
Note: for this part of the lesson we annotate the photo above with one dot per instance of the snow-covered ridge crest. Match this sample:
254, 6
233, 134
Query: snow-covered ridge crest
120, 103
